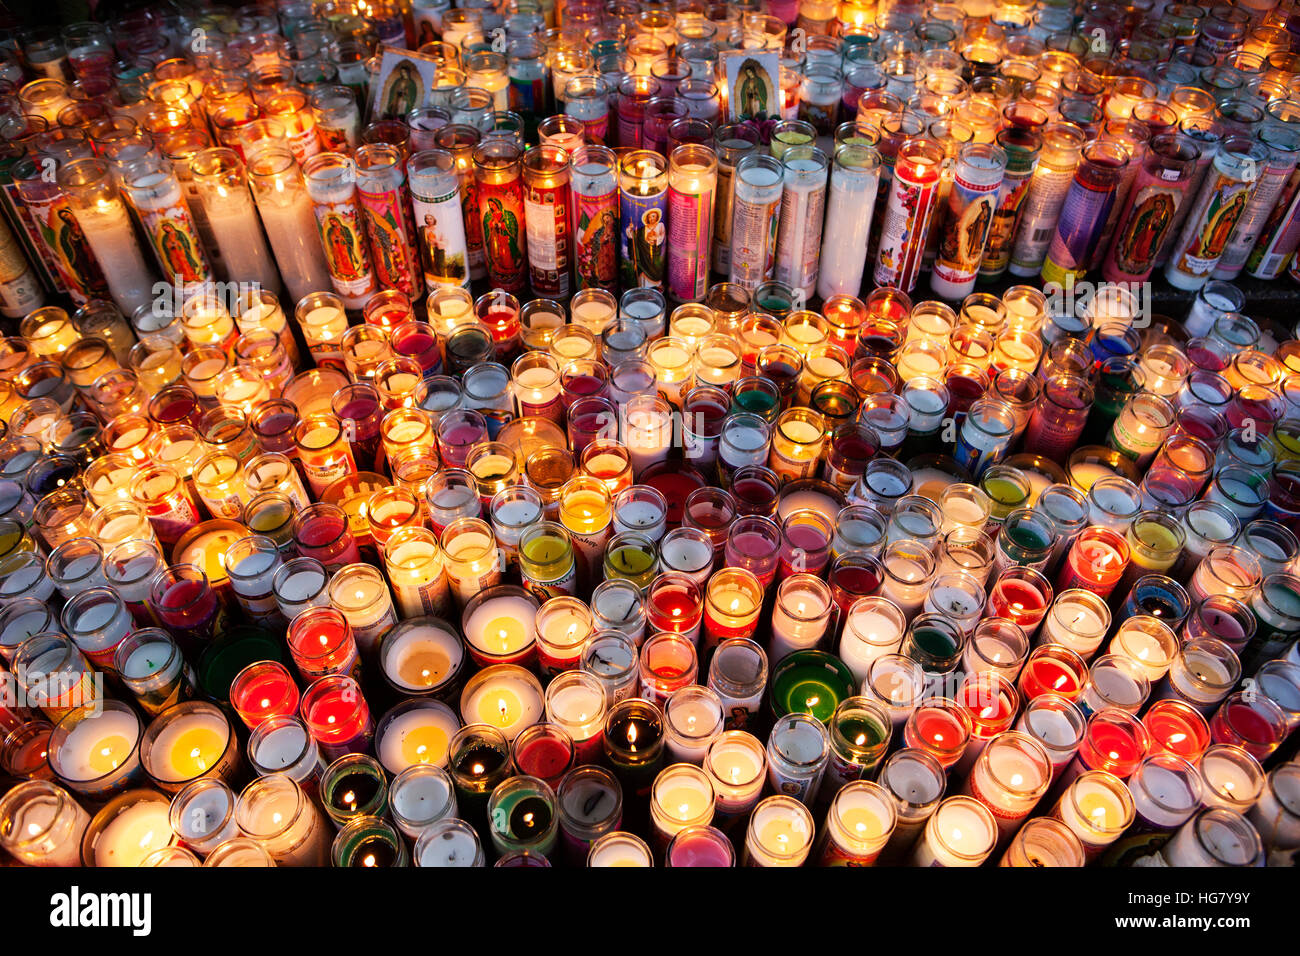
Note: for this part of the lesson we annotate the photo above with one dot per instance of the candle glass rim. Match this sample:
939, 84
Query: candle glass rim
172, 713
125, 770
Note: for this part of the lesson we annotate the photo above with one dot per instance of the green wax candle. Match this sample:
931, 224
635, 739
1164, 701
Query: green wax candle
810, 682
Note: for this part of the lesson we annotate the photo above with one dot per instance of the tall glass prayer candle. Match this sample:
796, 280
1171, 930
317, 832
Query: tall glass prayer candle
803, 206
1212, 216
586, 509
102, 215
941, 727
593, 179
276, 813
692, 185
1085, 209
472, 559
797, 441
439, 218
1146, 223
337, 716
634, 745
331, 183
547, 221
855, 178
971, 205
221, 185
1098, 807
522, 815
643, 206
933, 640
546, 559
322, 531
682, 796
758, 189
323, 322
733, 599
914, 190
263, 690
155, 193
1142, 426
161, 491
321, 643
323, 450
382, 196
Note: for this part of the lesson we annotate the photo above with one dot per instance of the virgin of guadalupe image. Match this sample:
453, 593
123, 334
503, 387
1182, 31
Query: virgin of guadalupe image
341, 247
753, 90
403, 91
501, 236
648, 243
76, 253
387, 246
1218, 227
1146, 233
178, 253
597, 240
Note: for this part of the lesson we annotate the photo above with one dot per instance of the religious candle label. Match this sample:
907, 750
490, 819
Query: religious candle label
546, 218
440, 224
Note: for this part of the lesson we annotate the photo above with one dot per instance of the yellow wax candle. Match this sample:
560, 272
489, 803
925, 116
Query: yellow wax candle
107, 753
195, 751
684, 803
1099, 810
506, 634
426, 744
861, 822
423, 667
500, 708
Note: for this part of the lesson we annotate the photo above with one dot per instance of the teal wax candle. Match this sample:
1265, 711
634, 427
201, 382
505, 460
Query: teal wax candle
810, 682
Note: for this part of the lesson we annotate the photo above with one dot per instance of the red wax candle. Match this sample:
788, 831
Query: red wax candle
807, 541
852, 581
545, 756
1046, 675
187, 605
337, 716
700, 846
416, 341
323, 533
941, 728
1096, 562
990, 702
1175, 727
262, 690
674, 603
754, 497
674, 486
1114, 741
321, 643
1020, 595
504, 323
1257, 726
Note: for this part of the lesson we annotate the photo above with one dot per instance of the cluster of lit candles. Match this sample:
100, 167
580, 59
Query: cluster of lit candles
341, 563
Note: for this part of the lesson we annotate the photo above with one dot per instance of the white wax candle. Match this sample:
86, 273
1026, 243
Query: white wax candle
133, 834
